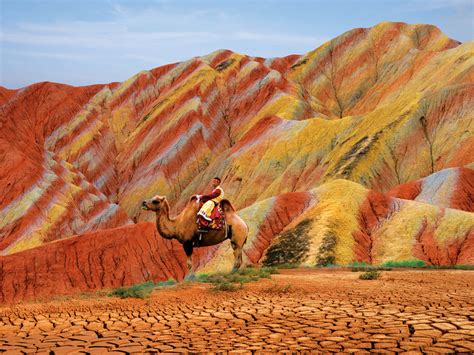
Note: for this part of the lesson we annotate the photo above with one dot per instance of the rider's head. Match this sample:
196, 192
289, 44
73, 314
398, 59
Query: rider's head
216, 181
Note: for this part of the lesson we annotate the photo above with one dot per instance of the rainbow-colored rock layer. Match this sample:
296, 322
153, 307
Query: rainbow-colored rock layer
345, 135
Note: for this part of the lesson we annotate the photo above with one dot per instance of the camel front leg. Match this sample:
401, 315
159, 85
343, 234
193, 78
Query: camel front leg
188, 249
237, 256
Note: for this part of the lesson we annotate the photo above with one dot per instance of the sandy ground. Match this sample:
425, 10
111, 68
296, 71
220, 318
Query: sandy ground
301, 309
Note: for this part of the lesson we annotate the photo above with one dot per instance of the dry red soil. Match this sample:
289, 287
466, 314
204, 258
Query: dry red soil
302, 309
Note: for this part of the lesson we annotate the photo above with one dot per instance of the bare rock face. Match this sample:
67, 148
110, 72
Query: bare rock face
45, 197
450, 188
376, 117
5, 94
341, 222
107, 258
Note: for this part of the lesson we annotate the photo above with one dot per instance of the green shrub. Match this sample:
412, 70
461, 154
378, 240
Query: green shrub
225, 286
405, 263
330, 265
359, 264
464, 267
142, 290
229, 281
369, 275
168, 282
288, 266
135, 291
456, 267
277, 289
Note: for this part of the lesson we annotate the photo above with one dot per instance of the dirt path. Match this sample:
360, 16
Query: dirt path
304, 309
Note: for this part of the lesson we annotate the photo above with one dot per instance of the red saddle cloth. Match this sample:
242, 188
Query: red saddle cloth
217, 216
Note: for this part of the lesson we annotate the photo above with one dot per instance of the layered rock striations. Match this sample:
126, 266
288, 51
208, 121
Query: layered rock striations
380, 118
341, 222
107, 258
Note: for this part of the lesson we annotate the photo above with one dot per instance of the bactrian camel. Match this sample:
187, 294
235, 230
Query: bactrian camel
184, 228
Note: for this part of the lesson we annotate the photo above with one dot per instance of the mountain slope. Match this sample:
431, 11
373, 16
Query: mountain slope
380, 107
338, 222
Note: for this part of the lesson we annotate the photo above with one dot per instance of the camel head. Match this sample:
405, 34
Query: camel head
153, 204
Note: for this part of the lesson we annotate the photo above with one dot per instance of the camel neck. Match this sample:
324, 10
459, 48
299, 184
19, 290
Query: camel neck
164, 224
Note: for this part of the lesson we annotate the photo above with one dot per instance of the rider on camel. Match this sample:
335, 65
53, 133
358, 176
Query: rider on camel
210, 201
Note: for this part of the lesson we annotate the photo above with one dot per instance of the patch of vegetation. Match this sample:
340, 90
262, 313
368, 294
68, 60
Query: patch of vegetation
234, 281
359, 264
142, 290
350, 159
169, 282
326, 250
289, 247
135, 291
299, 63
147, 116
91, 294
225, 64
405, 263
417, 263
370, 275
363, 266
277, 289
226, 286
329, 265
288, 266
464, 267
355, 97
456, 267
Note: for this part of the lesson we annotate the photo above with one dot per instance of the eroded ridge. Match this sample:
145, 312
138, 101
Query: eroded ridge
303, 309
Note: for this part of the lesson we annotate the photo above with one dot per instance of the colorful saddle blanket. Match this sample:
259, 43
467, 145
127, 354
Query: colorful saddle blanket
217, 219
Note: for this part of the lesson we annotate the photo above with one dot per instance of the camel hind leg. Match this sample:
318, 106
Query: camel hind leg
188, 249
239, 237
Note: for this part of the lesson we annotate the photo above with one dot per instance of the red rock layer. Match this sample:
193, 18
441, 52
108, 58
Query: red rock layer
6, 94
333, 90
408, 191
463, 194
372, 212
108, 258
170, 129
460, 186
87, 210
431, 243
25, 121
285, 208
457, 252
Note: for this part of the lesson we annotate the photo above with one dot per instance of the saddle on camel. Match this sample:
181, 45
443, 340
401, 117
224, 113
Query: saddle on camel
211, 214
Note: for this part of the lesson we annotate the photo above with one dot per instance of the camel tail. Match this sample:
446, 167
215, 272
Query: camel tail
247, 234
227, 206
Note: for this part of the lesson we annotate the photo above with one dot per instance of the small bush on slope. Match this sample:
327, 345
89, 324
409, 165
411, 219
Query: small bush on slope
142, 291
369, 275
416, 263
405, 263
235, 280
277, 289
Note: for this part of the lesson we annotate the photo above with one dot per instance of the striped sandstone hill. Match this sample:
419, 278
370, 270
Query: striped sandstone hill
364, 145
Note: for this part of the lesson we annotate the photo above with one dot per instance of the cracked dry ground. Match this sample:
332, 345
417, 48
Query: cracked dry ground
301, 309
